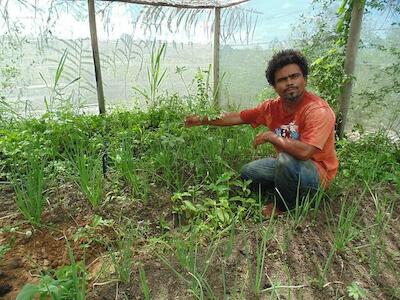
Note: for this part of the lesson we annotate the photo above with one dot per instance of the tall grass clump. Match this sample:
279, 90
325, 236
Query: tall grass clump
304, 204
188, 254
345, 230
155, 75
266, 235
122, 257
129, 167
88, 166
29, 183
383, 213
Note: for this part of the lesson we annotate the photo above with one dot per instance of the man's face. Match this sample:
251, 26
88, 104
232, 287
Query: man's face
290, 82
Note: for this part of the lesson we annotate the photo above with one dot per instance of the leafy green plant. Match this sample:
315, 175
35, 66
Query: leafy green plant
304, 204
4, 248
345, 230
89, 233
214, 213
356, 292
29, 189
68, 282
77, 68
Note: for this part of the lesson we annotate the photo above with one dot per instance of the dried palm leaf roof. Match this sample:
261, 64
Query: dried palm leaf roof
157, 16
200, 4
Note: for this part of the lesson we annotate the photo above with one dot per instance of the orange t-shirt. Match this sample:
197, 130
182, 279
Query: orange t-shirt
312, 123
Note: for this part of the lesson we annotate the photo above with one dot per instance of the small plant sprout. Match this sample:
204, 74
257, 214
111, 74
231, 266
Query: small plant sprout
356, 292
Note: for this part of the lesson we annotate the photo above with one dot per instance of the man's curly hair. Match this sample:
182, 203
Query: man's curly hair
283, 58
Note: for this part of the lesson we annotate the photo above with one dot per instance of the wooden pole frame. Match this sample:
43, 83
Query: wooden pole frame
96, 56
216, 48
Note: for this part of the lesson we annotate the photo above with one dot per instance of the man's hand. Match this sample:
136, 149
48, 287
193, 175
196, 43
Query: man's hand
262, 138
193, 120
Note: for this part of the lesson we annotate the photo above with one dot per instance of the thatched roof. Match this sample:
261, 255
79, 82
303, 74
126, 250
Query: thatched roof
200, 4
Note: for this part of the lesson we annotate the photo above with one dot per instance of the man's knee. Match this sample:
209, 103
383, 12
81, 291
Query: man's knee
286, 161
246, 172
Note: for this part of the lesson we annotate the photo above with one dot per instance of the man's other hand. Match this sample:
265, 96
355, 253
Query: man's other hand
262, 138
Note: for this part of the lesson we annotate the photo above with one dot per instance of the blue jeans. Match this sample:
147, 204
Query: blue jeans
285, 176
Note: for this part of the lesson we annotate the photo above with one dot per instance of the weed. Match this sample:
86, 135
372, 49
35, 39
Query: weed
4, 248
89, 233
356, 292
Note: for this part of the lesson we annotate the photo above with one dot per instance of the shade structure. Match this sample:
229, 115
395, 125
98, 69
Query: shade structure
185, 3
216, 5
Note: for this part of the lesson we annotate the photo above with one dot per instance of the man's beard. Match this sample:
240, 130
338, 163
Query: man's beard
293, 96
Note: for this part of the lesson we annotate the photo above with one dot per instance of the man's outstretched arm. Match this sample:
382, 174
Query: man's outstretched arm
227, 119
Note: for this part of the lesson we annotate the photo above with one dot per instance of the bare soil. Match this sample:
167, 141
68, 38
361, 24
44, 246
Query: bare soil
293, 259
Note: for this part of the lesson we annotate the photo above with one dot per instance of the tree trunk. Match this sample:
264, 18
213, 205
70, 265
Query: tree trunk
349, 65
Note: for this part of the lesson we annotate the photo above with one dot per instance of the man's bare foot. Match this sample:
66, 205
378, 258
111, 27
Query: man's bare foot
271, 210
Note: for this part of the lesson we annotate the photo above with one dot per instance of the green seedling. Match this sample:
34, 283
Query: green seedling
266, 235
144, 283
155, 76
29, 190
128, 166
88, 167
123, 258
68, 282
383, 214
356, 292
345, 230
89, 233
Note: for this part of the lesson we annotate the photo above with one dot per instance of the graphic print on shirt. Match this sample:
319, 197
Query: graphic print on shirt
290, 130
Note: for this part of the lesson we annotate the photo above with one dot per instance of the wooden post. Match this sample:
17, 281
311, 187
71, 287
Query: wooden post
96, 57
350, 62
217, 33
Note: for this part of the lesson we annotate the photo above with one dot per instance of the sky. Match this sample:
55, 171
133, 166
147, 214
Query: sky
275, 22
